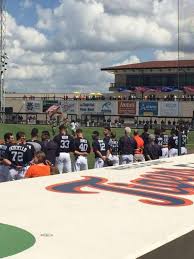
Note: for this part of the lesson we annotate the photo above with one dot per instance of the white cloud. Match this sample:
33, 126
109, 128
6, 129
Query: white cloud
172, 55
69, 44
132, 60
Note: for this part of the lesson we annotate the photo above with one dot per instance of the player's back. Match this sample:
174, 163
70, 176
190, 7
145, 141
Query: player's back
101, 146
19, 154
65, 143
82, 145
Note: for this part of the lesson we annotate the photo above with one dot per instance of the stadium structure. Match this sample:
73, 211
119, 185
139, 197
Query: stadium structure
157, 75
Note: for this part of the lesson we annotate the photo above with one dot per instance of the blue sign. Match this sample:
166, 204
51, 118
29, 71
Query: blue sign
148, 108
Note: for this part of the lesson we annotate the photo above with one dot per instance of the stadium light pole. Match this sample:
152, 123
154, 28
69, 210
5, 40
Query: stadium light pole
3, 56
178, 44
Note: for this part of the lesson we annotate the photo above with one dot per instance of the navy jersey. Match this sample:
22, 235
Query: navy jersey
154, 151
19, 154
31, 150
165, 139
145, 137
50, 148
173, 142
127, 145
101, 146
65, 143
3, 148
114, 147
82, 145
183, 139
106, 139
159, 140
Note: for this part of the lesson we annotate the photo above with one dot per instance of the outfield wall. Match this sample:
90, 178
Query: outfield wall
132, 211
119, 108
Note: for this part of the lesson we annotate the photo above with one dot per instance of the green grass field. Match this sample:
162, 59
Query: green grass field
87, 132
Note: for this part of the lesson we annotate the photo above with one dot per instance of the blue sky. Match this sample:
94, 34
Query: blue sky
26, 15
61, 45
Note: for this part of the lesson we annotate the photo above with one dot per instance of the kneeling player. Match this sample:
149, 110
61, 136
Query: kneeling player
82, 150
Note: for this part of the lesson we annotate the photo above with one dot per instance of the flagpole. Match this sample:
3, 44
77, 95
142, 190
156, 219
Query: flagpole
178, 45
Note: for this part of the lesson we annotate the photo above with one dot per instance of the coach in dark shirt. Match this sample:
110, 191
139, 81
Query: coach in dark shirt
49, 147
152, 150
145, 134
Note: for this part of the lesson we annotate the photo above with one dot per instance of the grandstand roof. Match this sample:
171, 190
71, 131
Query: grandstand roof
153, 64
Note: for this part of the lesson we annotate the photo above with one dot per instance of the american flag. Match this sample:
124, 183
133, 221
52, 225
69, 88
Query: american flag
53, 108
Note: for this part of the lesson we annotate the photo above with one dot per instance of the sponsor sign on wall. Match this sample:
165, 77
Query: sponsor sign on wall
148, 108
106, 107
69, 106
169, 109
126, 108
33, 106
87, 107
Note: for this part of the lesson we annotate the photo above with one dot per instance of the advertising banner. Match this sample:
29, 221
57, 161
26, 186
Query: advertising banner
87, 107
33, 106
148, 108
106, 107
126, 107
169, 109
69, 106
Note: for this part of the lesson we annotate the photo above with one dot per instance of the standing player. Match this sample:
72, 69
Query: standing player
82, 150
100, 149
127, 146
65, 145
107, 133
34, 140
173, 144
183, 140
4, 170
113, 150
165, 137
18, 157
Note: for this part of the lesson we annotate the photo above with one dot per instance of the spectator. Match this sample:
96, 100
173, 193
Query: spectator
39, 168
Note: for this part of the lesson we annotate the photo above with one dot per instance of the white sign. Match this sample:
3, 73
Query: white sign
169, 109
106, 107
68, 106
33, 106
87, 106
